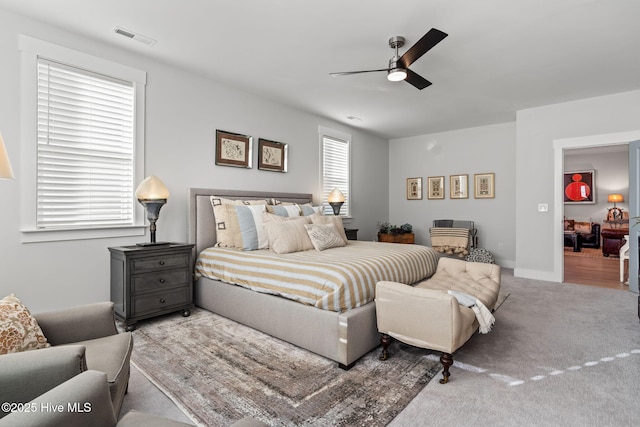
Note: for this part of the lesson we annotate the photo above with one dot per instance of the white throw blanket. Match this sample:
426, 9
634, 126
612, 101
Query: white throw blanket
484, 316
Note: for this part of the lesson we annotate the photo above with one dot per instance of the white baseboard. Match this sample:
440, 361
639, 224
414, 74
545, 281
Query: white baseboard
549, 276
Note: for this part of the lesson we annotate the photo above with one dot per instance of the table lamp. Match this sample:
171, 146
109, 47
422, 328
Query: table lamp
336, 200
152, 194
615, 212
6, 171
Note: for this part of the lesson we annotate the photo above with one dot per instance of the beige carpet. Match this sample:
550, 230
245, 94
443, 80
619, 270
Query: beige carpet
219, 371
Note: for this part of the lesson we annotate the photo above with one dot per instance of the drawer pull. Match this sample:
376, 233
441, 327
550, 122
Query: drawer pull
162, 300
161, 280
161, 262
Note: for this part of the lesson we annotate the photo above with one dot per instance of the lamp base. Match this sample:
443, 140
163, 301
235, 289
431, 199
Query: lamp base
336, 206
614, 214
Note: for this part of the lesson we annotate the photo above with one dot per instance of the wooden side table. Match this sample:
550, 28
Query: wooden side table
148, 281
397, 238
352, 233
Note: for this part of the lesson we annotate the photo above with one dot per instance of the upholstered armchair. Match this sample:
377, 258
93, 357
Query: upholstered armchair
82, 399
588, 233
591, 239
612, 240
88, 334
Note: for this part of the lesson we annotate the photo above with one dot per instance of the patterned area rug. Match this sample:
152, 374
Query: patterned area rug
219, 371
586, 253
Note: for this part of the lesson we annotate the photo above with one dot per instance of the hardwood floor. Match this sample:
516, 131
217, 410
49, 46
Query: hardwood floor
599, 271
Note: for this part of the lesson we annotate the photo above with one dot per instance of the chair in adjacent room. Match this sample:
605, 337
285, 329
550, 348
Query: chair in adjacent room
624, 254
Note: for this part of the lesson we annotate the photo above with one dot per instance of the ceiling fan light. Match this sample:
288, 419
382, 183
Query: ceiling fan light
397, 74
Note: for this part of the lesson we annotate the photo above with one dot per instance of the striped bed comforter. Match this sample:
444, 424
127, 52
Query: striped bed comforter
336, 279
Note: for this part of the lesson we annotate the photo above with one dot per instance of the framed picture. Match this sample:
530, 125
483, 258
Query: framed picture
580, 187
272, 156
414, 188
435, 188
233, 149
484, 185
459, 186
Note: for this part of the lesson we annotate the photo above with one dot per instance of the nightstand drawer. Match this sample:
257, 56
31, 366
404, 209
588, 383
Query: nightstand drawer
164, 279
141, 265
160, 301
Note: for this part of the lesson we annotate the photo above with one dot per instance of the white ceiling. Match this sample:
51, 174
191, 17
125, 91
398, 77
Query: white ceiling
501, 55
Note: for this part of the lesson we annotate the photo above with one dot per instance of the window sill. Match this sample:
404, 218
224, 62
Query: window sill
34, 236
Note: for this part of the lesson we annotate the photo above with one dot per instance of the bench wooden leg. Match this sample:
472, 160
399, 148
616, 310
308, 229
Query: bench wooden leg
385, 340
447, 360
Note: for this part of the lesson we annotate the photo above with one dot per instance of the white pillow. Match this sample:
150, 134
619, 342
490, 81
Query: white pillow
228, 231
324, 236
288, 236
331, 219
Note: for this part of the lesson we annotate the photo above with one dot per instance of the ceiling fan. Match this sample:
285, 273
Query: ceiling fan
399, 65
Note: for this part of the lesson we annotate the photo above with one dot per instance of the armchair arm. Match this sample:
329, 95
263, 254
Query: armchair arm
83, 400
76, 324
425, 318
28, 374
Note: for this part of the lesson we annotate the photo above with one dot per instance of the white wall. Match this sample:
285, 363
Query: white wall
537, 246
467, 151
183, 113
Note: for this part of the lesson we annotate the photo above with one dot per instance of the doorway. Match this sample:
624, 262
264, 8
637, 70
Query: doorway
586, 261
632, 138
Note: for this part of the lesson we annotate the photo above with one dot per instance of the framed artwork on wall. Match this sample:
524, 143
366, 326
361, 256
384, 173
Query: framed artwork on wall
414, 188
272, 156
484, 185
233, 149
435, 187
459, 186
580, 187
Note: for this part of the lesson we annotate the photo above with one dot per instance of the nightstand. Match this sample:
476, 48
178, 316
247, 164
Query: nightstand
352, 233
148, 281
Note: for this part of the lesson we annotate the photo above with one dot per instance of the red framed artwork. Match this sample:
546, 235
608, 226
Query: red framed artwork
580, 187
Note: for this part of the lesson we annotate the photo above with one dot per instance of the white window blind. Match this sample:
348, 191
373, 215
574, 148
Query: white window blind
85, 167
335, 171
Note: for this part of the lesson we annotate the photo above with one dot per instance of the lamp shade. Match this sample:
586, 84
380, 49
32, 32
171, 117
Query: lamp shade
6, 171
615, 198
336, 196
152, 189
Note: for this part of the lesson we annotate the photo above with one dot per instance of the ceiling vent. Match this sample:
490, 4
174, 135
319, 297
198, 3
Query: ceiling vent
135, 36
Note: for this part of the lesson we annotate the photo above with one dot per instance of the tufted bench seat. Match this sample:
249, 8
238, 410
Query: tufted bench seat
427, 316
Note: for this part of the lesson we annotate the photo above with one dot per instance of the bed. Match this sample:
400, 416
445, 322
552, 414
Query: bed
342, 328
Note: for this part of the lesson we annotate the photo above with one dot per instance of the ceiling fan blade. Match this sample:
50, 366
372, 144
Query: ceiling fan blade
422, 46
416, 80
347, 73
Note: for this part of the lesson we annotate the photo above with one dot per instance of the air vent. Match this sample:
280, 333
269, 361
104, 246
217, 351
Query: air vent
135, 36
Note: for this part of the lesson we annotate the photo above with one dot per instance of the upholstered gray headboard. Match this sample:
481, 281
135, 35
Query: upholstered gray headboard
202, 230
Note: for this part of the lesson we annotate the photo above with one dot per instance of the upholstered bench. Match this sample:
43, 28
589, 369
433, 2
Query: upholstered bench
428, 316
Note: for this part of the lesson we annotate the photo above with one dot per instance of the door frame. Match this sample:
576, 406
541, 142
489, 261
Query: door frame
559, 145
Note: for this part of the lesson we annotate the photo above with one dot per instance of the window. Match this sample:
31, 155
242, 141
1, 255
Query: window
336, 167
83, 144
85, 149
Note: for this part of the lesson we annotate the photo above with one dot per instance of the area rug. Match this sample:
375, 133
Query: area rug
218, 371
586, 253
